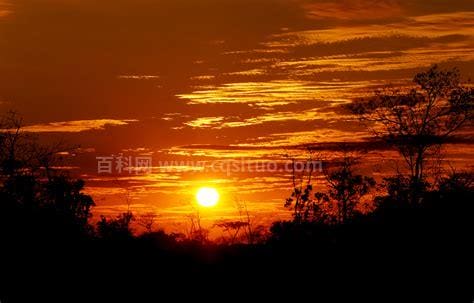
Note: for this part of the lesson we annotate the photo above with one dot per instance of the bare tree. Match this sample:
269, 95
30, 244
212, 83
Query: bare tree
233, 228
244, 214
46, 157
20, 152
302, 180
417, 122
196, 232
147, 221
14, 145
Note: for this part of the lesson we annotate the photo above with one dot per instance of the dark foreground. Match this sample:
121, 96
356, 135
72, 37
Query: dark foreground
398, 253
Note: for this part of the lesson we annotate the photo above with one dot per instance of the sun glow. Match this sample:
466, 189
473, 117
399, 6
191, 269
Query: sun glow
207, 197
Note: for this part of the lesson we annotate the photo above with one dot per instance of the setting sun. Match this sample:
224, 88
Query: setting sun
207, 196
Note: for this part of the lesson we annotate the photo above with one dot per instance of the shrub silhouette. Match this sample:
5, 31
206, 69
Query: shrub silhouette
345, 190
116, 228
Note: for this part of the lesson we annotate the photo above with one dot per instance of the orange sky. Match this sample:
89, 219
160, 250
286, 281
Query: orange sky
206, 80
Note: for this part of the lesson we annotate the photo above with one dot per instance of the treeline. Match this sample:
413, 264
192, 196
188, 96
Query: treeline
417, 233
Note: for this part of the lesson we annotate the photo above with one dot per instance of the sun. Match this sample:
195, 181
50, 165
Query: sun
207, 197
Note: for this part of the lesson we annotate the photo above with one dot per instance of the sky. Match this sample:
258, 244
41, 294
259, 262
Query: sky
191, 81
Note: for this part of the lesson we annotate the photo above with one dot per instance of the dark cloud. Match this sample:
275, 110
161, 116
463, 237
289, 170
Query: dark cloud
81, 47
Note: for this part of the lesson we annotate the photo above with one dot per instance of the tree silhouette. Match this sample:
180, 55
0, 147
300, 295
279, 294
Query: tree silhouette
29, 185
147, 221
196, 231
252, 233
417, 122
66, 196
345, 190
15, 145
304, 207
233, 228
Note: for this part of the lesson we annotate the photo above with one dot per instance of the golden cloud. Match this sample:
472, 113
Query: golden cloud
76, 126
353, 9
430, 26
321, 135
5, 8
138, 77
273, 93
